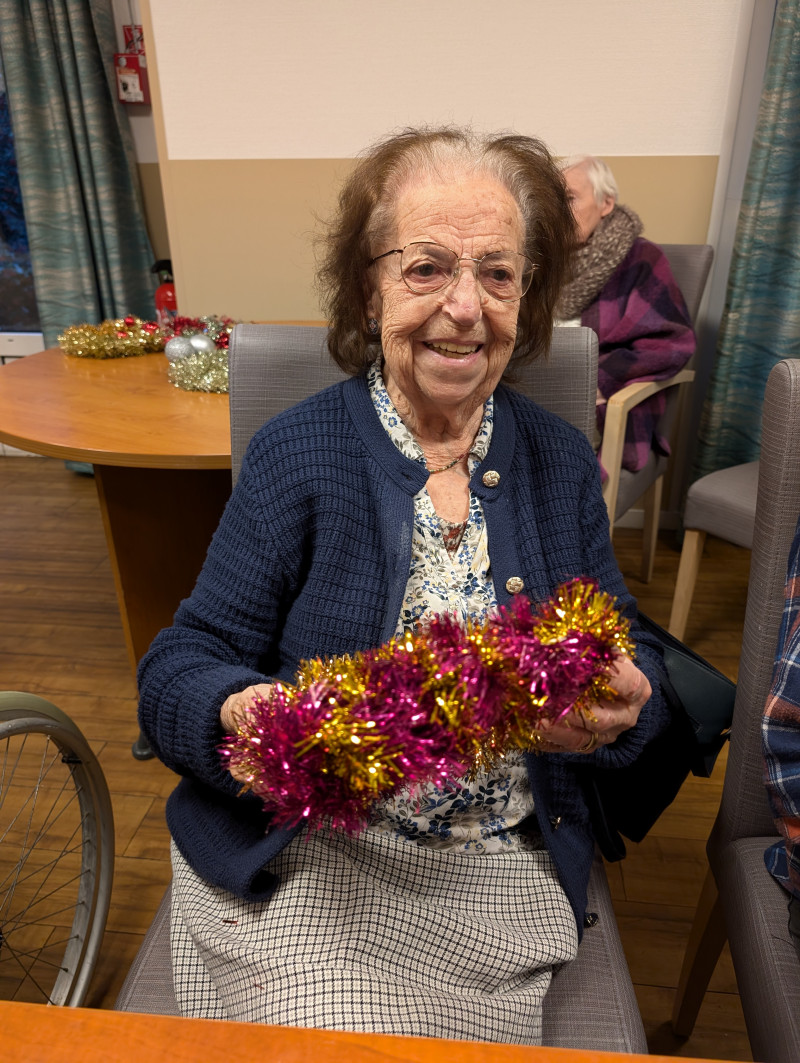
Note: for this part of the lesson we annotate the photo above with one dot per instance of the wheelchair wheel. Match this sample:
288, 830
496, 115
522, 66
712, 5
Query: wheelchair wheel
56, 854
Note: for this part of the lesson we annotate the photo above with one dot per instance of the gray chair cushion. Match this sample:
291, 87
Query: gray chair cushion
148, 987
767, 966
632, 485
724, 504
591, 1003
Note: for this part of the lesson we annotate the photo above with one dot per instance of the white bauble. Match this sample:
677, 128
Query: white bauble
178, 347
201, 342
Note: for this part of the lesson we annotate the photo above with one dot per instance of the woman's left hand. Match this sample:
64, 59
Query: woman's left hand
582, 734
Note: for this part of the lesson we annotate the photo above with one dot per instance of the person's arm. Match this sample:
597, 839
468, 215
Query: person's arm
219, 638
780, 729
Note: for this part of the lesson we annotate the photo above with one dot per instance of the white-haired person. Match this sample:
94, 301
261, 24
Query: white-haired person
622, 287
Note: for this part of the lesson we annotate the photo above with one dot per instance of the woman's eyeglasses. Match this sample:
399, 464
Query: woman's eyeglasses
429, 268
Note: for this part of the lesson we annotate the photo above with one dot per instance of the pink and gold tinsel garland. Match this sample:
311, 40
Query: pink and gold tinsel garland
437, 704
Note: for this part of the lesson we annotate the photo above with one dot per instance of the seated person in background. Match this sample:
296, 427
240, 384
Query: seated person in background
780, 733
622, 288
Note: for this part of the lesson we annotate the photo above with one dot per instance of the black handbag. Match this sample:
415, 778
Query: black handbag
627, 801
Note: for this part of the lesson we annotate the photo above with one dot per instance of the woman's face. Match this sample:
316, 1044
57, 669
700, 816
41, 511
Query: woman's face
448, 350
587, 211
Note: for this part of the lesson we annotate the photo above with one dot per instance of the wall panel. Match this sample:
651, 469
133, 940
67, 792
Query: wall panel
320, 79
259, 106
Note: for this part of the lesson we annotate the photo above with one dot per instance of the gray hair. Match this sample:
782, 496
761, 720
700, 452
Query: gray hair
599, 173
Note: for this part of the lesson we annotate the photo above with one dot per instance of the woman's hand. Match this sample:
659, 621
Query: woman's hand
584, 735
234, 708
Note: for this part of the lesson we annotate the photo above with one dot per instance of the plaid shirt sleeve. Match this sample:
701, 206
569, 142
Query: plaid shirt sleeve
780, 732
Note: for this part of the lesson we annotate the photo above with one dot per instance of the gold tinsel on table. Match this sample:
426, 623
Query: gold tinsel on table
202, 371
119, 338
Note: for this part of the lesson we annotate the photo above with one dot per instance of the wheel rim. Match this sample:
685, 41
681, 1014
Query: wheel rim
54, 873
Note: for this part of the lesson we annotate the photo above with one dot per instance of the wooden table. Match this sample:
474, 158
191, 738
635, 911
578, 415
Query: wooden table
161, 459
34, 1032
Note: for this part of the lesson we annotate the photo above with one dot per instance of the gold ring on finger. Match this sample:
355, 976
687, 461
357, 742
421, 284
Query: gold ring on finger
593, 740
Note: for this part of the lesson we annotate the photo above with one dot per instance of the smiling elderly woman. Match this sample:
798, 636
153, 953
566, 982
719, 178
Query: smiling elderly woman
358, 513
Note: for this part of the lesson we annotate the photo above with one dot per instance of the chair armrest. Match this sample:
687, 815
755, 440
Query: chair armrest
617, 409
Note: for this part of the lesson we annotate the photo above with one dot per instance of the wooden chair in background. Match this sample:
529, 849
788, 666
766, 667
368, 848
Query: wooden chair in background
690, 264
723, 503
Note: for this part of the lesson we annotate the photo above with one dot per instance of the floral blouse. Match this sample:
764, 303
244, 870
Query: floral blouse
450, 572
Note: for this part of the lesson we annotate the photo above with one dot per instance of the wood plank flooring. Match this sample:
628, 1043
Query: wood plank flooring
61, 638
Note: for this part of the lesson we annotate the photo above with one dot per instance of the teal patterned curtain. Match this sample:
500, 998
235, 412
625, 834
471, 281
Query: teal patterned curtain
761, 320
89, 248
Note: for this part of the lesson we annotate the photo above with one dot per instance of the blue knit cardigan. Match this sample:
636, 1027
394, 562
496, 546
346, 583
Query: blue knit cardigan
311, 559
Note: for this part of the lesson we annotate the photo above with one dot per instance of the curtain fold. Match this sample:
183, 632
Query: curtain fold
89, 248
761, 319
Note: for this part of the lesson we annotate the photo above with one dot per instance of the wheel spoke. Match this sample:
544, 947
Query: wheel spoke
29, 977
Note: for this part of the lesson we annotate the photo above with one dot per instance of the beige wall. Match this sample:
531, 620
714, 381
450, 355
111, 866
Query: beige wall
240, 219
242, 231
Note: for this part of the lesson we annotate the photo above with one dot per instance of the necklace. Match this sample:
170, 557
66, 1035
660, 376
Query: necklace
450, 464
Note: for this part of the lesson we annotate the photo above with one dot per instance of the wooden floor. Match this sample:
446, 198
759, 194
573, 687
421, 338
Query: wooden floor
61, 638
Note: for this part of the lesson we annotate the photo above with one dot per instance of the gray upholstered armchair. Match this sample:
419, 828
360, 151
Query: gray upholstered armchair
591, 1003
740, 900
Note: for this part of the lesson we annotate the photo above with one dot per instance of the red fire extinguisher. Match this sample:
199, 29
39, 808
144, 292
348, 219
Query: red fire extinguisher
166, 303
131, 68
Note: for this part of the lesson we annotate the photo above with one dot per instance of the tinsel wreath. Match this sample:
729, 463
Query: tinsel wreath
216, 328
118, 338
201, 371
200, 366
439, 703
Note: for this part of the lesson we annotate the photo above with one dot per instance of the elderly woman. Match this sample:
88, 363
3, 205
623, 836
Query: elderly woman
357, 513
623, 288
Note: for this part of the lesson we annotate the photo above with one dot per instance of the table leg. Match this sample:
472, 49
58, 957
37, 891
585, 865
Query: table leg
158, 524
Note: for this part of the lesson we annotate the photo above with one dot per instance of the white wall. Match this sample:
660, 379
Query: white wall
271, 79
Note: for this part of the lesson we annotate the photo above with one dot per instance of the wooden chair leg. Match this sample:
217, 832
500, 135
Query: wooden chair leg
652, 515
706, 941
691, 553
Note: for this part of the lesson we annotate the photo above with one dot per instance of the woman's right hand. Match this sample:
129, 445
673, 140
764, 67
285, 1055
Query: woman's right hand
234, 708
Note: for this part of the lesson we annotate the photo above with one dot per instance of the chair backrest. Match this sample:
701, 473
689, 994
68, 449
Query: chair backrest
273, 367
690, 265
744, 811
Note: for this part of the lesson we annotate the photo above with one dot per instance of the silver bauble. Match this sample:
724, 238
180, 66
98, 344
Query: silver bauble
178, 347
201, 342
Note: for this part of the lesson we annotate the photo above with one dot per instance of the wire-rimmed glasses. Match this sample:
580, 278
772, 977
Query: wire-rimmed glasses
427, 268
